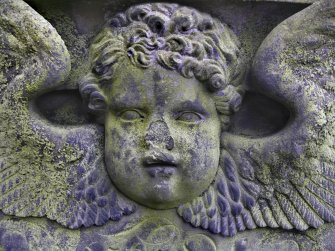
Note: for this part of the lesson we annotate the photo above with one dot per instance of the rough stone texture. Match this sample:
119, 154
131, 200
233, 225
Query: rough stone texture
276, 165
284, 1
46, 169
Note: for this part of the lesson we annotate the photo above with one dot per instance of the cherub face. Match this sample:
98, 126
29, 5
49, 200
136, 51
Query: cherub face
162, 136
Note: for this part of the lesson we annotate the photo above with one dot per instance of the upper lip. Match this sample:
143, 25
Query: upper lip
159, 159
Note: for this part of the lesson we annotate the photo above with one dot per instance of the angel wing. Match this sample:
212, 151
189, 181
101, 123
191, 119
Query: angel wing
286, 179
46, 169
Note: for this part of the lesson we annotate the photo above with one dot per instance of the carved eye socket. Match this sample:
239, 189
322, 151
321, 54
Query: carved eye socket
190, 117
130, 115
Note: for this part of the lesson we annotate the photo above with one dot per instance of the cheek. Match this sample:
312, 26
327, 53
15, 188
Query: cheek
122, 148
200, 153
203, 157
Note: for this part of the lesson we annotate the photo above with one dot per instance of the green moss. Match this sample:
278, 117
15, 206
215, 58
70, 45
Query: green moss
39, 234
34, 169
75, 42
41, 167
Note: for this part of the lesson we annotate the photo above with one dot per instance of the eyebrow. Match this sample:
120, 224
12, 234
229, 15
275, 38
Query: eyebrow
194, 106
124, 102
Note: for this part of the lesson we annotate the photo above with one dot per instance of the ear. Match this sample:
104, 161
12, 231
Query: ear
47, 169
94, 98
283, 176
97, 105
97, 102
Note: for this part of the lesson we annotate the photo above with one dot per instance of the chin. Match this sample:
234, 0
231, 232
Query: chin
156, 203
162, 196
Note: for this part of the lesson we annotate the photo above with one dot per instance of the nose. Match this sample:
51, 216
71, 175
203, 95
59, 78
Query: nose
158, 134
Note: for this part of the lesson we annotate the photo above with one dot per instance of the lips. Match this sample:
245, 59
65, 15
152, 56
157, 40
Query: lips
160, 171
160, 165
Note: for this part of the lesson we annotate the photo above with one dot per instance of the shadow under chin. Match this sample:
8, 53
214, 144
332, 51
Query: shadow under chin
259, 116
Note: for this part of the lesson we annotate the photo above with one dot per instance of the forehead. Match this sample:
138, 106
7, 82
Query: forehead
156, 84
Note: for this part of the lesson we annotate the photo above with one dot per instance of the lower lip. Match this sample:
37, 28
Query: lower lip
161, 171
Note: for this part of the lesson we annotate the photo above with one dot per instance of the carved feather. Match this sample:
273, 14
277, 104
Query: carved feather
286, 179
45, 169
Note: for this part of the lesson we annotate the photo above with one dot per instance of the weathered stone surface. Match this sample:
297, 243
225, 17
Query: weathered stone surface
166, 128
284, 1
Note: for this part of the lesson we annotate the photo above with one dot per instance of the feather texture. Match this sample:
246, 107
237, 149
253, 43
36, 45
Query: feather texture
46, 170
286, 179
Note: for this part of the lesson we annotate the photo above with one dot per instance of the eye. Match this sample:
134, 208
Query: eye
190, 117
130, 115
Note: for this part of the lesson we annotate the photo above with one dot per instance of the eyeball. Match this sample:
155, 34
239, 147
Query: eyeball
189, 117
130, 115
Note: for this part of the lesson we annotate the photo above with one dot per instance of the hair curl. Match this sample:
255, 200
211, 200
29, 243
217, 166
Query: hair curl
177, 38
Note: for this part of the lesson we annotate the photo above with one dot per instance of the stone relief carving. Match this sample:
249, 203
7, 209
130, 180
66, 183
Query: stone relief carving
168, 141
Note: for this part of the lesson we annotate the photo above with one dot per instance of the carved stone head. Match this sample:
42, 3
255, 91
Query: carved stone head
163, 80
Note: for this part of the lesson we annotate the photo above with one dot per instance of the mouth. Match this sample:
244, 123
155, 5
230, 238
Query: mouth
162, 166
164, 171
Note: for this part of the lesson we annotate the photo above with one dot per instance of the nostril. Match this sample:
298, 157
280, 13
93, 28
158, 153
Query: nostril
149, 138
170, 143
158, 134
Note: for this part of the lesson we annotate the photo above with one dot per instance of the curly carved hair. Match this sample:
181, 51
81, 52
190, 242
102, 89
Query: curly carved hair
177, 38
